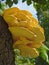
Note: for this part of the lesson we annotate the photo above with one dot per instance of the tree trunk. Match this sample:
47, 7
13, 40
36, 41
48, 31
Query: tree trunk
7, 56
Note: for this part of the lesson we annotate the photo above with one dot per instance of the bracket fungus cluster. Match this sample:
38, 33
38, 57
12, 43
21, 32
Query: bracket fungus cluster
27, 34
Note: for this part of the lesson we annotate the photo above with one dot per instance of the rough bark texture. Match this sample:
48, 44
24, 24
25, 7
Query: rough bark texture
7, 56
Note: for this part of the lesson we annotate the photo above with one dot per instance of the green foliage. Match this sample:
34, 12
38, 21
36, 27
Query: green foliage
23, 0
29, 2
40, 61
19, 60
43, 52
42, 8
41, 1
9, 2
15, 1
0, 4
43, 17
1, 12
3, 7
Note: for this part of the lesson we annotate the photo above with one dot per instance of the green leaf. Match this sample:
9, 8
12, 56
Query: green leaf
9, 2
29, 2
43, 52
44, 55
0, 4
23, 0
4, 6
1, 11
17, 52
44, 48
15, 1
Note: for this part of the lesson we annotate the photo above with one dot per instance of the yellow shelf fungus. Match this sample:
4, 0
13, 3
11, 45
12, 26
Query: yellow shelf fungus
27, 34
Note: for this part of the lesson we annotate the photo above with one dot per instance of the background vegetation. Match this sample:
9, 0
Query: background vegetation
42, 8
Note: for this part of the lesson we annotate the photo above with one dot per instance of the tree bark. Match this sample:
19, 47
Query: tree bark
7, 56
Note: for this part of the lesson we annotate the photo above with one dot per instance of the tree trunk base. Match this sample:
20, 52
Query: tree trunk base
7, 56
